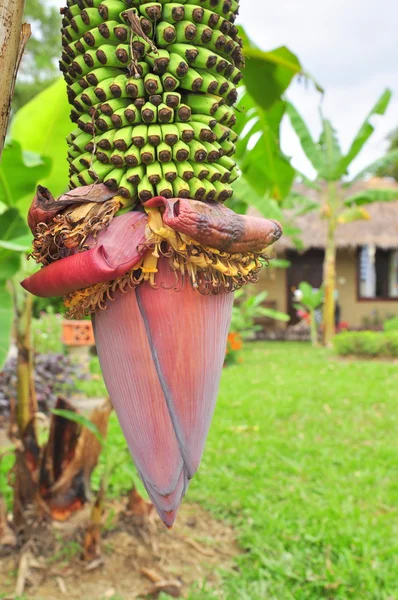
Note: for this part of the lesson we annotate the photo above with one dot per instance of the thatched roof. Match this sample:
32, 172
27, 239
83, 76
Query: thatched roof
381, 230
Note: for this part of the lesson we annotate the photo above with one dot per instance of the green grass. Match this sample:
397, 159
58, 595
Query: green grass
302, 460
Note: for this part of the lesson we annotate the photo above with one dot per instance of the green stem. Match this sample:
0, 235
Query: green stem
314, 330
26, 394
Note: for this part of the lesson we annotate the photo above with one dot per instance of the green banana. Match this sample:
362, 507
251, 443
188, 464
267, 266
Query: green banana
123, 138
117, 158
104, 156
164, 188
173, 12
165, 113
210, 84
127, 189
228, 147
181, 151
140, 135
111, 106
170, 133
132, 157
164, 152
113, 178
153, 84
181, 188
103, 123
84, 178
153, 11
165, 34
185, 170
155, 134
178, 66
125, 116
109, 10
154, 173
227, 162
159, 61
202, 132
183, 113
135, 174
211, 192
169, 171
172, 99
197, 151
145, 189
223, 191
192, 81
200, 170
170, 82
80, 142
148, 154
212, 152
202, 103
196, 189
95, 77
206, 119
149, 113
219, 173
186, 132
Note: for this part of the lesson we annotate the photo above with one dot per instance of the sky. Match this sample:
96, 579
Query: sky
349, 46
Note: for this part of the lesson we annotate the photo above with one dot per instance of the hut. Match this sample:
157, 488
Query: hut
366, 266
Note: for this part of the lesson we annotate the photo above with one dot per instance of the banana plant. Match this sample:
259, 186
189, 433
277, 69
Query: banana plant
333, 179
309, 300
15, 241
261, 108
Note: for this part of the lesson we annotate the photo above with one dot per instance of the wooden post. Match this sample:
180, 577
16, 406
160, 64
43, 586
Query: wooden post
13, 39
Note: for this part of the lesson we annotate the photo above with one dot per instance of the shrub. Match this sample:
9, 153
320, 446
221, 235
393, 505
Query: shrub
369, 344
55, 374
391, 324
392, 341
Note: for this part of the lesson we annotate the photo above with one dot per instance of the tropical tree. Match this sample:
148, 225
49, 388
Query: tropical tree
390, 167
267, 173
309, 300
334, 182
41, 126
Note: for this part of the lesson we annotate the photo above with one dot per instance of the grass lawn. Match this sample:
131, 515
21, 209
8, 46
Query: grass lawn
302, 459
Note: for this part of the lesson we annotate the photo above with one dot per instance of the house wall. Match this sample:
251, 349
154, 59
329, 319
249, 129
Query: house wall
274, 282
354, 311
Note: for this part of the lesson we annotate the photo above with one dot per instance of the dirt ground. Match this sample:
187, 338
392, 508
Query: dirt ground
135, 562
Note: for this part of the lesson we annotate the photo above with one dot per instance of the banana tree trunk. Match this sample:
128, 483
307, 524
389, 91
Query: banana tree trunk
27, 452
13, 39
26, 393
329, 269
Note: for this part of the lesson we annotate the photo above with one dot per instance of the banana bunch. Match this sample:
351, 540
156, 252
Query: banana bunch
152, 87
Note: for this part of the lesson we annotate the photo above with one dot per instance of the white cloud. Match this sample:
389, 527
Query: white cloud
350, 47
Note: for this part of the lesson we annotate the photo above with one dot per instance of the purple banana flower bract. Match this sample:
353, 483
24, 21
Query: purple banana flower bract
161, 354
115, 251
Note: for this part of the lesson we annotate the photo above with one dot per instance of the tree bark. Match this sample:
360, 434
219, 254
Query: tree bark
13, 39
329, 269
